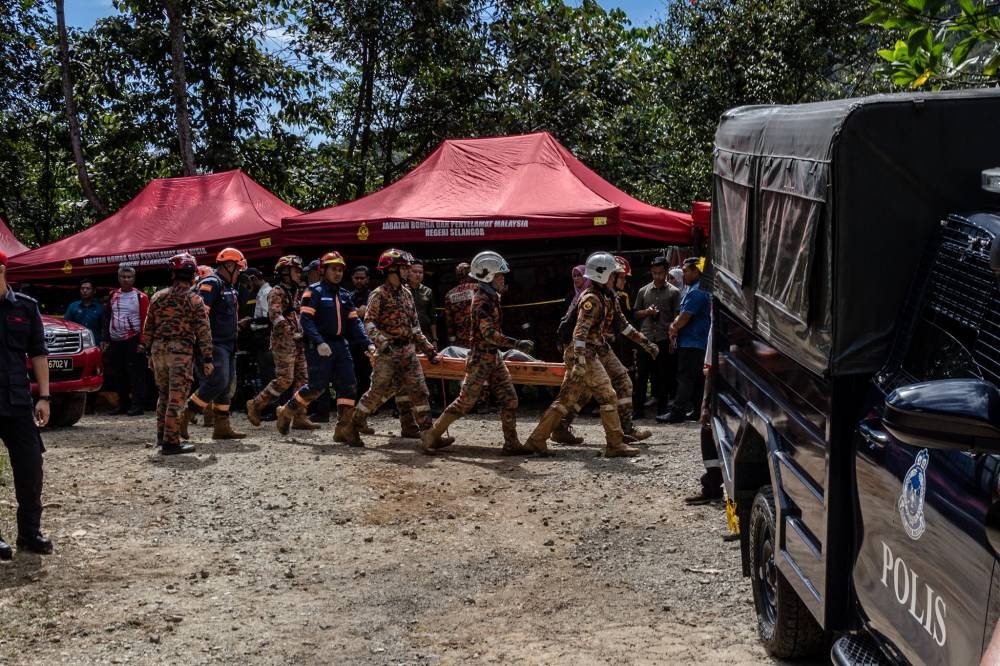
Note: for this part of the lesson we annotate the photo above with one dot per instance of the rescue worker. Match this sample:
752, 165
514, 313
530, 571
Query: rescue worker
22, 337
221, 302
176, 322
392, 324
329, 321
596, 311
617, 372
485, 362
458, 308
286, 342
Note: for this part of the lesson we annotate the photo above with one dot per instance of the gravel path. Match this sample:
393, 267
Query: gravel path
282, 550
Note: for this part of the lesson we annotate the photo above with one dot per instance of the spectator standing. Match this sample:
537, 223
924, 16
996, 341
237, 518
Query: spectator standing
689, 334
125, 317
458, 308
260, 327
87, 311
423, 298
656, 305
359, 295
23, 337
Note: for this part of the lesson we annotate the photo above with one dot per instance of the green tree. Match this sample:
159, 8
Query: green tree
939, 43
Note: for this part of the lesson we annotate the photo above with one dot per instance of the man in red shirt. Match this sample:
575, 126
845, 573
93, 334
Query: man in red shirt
126, 315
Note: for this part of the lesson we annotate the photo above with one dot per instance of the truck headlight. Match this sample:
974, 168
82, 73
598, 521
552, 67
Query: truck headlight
991, 179
87, 340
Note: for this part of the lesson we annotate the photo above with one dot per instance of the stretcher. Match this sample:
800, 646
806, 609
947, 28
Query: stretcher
536, 373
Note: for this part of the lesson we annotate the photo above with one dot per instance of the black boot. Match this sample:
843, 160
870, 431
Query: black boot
174, 449
34, 542
5, 552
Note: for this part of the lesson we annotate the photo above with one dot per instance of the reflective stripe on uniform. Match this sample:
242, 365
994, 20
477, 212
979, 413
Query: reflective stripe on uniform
305, 309
709, 464
345, 401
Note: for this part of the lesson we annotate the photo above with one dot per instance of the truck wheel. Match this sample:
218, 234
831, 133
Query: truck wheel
67, 409
785, 626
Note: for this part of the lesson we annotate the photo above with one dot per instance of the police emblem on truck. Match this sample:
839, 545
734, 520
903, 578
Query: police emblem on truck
911, 500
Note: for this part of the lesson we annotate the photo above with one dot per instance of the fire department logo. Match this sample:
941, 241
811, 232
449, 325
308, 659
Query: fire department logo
67, 267
911, 500
363, 232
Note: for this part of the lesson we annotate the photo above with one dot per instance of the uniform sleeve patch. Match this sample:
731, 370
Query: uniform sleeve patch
587, 305
205, 287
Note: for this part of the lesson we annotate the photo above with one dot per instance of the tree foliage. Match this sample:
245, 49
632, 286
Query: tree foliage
322, 102
939, 43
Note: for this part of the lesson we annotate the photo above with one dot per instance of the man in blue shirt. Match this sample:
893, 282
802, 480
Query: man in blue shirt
87, 311
330, 323
689, 333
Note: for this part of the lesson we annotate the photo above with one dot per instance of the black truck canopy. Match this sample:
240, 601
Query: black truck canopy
821, 213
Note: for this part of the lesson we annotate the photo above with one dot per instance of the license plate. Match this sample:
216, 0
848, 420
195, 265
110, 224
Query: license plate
60, 364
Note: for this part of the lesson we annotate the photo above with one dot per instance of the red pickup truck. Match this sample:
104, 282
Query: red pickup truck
75, 369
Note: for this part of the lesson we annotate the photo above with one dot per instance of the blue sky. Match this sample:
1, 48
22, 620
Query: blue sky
83, 13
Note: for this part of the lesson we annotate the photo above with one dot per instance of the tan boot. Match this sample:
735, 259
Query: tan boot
345, 430
301, 422
208, 416
222, 428
546, 425
183, 419
432, 439
256, 406
632, 434
362, 424
563, 434
511, 443
616, 446
286, 414
408, 424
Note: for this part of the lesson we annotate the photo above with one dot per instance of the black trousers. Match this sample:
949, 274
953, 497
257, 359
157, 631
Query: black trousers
660, 372
362, 369
24, 444
690, 379
130, 371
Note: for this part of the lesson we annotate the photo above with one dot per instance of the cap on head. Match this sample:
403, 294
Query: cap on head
693, 263
253, 273
623, 265
231, 254
332, 259
599, 267
487, 265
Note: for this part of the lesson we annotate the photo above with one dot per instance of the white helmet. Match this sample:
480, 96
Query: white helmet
486, 265
599, 267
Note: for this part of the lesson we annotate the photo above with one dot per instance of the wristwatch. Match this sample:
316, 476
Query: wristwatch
45, 397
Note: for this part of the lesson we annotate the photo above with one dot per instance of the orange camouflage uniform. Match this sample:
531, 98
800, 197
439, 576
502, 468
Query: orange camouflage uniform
458, 313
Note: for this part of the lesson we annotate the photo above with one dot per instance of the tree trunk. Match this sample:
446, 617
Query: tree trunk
175, 25
71, 115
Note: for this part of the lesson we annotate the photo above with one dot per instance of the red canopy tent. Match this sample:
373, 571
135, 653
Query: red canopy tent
9, 244
503, 188
197, 214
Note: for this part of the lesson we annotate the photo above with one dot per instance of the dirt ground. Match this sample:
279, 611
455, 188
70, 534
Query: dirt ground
296, 550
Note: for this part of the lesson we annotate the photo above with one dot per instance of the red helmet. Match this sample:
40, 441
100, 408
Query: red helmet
183, 262
623, 266
394, 257
332, 258
204, 271
232, 254
288, 261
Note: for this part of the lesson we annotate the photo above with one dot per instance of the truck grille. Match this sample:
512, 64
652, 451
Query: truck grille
63, 343
963, 289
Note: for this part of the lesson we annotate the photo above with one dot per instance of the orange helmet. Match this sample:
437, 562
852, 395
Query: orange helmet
183, 262
204, 271
394, 257
288, 261
623, 266
232, 254
333, 258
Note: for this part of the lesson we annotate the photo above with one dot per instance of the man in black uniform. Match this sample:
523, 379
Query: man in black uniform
22, 336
